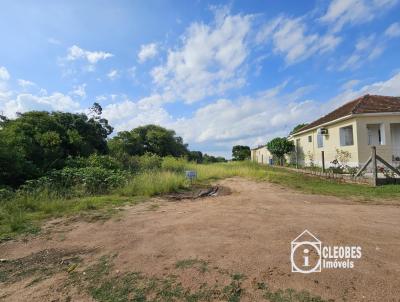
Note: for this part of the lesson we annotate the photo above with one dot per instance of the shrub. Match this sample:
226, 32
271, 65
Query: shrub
94, 160
6, 194
76, 181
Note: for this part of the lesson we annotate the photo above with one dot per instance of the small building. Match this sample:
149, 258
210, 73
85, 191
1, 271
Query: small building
261, 155
371, 120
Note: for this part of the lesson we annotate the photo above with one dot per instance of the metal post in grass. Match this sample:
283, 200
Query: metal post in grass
374, 167
323, 161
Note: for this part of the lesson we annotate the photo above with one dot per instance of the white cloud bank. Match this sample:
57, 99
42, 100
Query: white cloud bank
209, 61
293, 39
248, 120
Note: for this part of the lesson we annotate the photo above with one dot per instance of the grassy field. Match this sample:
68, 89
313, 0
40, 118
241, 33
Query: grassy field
24, 213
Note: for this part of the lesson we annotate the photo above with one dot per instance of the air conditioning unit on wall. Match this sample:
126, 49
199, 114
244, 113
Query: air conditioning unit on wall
323, 131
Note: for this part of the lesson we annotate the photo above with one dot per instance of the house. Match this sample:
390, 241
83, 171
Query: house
261, 155
371, 120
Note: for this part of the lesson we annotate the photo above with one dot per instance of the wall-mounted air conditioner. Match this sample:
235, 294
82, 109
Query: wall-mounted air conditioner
323, 131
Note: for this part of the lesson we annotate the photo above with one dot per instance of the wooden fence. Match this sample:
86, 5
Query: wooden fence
374, 180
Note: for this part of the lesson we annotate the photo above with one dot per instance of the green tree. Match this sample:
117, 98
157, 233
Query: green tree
297, 128
196, 156
39, 141
207, 159
240, 152
148, 139
280, 146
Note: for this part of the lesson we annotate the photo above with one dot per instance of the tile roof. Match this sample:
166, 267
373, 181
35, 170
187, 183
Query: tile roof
365, 104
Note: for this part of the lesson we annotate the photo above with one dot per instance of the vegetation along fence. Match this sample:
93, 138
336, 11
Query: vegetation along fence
391, 175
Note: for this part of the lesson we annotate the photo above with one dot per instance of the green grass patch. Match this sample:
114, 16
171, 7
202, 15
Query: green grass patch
314, 185
200, 265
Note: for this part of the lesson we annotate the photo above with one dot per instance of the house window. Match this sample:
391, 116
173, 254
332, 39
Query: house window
309, 138
346, 136
320, 140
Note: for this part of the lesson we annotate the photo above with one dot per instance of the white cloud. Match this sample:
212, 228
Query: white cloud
24, 84
147, 51
291, 38
4, 75
113, 74
342, 12
80, 90
128, 114
393, 30
75, 53
390, 87
209, 61
101, 98
25, 102
366, 49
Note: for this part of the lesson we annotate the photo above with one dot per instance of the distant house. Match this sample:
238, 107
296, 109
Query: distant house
371, 120
261, 155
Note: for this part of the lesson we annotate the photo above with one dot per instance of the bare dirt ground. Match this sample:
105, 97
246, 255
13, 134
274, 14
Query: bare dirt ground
244, 235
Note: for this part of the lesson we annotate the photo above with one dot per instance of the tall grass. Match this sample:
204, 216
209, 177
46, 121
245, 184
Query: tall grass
152, 183
245, 169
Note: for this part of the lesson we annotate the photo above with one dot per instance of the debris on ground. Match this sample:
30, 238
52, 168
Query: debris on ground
199, 193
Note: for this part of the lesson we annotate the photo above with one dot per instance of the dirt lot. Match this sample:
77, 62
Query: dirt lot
230, 247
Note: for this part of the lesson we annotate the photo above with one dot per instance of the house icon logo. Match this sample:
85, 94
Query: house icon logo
306, 253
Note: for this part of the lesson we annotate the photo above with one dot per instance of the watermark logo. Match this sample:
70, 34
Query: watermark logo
308, 255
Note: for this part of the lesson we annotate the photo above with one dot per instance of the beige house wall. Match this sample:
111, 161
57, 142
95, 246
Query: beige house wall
261, 155
390, 148
331, 142
359, 151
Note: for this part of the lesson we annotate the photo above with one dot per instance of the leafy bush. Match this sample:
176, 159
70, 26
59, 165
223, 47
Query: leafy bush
6, 194
76, 181
94, 160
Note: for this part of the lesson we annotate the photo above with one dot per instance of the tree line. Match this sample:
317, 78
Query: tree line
38, 142
278, 146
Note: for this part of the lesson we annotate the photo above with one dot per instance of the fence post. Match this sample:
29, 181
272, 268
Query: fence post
374, 167
323, 161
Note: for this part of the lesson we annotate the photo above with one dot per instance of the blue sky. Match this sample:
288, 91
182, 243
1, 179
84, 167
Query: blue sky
218, 73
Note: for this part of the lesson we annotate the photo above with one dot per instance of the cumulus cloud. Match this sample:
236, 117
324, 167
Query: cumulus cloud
23, 102
393, 30
76, 53
209, 61
390, 87
79, 90
127, 114
342, 12
292, 39
4, 75
24, 84
250, 120
147, 51
113, 74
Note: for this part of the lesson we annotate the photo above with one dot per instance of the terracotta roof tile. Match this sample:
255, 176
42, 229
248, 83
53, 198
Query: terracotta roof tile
365, 104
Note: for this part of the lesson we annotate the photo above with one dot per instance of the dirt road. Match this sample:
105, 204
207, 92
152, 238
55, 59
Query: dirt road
244, 236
